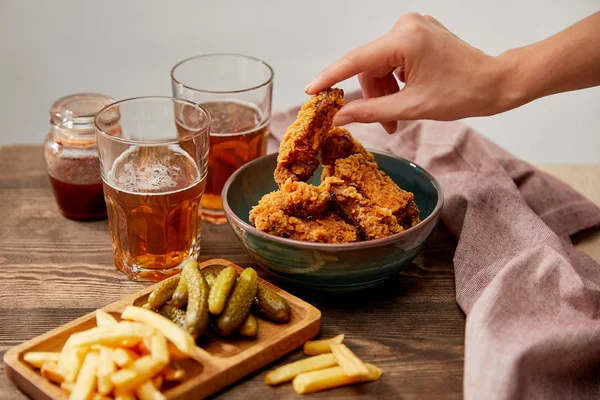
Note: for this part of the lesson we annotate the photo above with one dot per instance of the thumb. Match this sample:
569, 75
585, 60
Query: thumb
403, 105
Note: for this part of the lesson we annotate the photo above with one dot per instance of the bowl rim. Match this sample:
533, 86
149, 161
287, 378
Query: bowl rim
335, 246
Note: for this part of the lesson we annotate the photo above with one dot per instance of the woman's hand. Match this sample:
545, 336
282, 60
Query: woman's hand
445, 78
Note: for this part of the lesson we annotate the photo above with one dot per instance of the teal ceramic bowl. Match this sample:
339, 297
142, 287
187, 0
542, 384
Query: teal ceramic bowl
331, 267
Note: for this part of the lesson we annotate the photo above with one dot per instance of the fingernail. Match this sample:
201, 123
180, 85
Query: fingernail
307, 88
342, 120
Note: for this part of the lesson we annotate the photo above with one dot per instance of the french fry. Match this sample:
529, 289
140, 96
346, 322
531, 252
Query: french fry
98, 396
124, 357
174, 374
104, 318
147, 391
348, 361
142, 370
110, 334
175, 353
51, 372
123, 394
329, 378
158, 381
144, 346
86, 381
130, 343
314, 347
183, 340
70, 362
290, 371
159, 349
106, 366
127, 344
37, 358
67, 387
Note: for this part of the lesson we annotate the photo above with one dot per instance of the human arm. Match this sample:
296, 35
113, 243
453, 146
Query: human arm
447, 79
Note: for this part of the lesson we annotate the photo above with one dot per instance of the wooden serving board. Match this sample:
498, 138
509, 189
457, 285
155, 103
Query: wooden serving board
218, 363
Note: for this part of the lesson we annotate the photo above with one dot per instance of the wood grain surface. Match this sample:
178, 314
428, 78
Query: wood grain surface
53, 270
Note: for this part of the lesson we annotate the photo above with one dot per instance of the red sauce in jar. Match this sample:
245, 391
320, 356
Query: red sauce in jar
72, 156
80, 202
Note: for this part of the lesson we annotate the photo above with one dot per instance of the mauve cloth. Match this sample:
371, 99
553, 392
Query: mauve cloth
532, 300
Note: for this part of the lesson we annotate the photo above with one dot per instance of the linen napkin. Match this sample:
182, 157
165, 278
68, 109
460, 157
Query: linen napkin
532, 300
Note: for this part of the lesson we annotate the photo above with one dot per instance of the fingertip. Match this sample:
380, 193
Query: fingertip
390, 127
316, 85
340, 120
308, 88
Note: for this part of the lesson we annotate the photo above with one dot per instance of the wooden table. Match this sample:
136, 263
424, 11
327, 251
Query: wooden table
53, 270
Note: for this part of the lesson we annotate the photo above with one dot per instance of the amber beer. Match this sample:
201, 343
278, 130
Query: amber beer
238, 135
237, 92
153, 197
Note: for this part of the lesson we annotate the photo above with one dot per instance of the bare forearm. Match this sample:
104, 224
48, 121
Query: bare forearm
447, 79
569, 60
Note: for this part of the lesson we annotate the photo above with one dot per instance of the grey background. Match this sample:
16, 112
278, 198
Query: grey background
126, 48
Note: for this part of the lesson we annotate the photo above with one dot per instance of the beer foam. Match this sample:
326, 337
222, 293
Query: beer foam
138, 170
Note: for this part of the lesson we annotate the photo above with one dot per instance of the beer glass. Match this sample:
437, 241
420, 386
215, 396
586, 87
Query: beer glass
153, 161
237, 91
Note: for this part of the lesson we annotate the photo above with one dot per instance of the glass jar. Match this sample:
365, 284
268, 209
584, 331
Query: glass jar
72, 156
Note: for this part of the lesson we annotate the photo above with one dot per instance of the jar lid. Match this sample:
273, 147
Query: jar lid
75, 113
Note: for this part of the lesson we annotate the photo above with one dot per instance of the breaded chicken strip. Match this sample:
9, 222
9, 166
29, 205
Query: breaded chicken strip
372, 183
373, 221
268, 216
411, 217
304, 200
301, 143
339, 143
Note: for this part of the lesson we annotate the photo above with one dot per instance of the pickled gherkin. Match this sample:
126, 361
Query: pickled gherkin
271, 305
209, 275
249, 327
180, 296
196, 315
174, 314
239, 303
163, 292
221, 289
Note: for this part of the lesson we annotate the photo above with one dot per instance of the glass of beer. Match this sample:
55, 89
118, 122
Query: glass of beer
153, 160
237, 91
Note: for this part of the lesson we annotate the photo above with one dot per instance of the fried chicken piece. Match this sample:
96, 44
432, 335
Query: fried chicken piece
301, 143
339, 143
373, 221
373, 184
304, 200
412, 216
268, 216
355, 200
